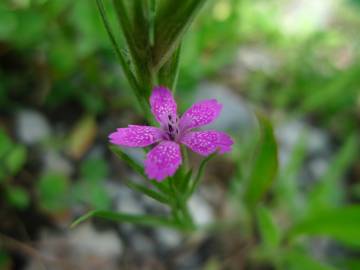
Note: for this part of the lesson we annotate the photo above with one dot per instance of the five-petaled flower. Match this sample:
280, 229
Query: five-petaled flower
165, 158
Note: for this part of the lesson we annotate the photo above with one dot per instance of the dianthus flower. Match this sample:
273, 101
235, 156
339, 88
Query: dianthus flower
165, 158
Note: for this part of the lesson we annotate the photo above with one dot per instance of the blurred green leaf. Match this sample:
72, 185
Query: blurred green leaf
295, 260
16, 159
269, 231
8, 22
287, 188
340, 91
5, 144
265, 164
328, 192
340, 223
350, 264
172, 21
5, 261
18, 197
94, 169
129, 218
92, 194
31, 26
53, 190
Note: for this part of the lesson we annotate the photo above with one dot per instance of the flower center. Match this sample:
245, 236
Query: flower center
172, 128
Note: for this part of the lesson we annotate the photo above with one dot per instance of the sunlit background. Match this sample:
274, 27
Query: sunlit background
62, 91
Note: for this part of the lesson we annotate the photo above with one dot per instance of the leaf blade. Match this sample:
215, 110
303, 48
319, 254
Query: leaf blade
341, 223
145, 220
265, 166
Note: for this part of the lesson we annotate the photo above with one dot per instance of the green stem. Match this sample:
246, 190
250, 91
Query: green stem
181, 205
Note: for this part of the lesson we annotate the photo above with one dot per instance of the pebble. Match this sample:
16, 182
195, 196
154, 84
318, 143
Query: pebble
200, 210
31, 127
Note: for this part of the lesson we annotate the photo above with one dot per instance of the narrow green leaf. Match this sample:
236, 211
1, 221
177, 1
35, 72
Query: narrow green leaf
332, 92
328, 192
350, 263
123, 62
199, 174
18, 197
185, 181
149, 192
296, 260
172, 21
168, 74
340, 223
269, 232
16, 159
265, 165
287, 191
133, 17
125, 157
161, 186
129, 218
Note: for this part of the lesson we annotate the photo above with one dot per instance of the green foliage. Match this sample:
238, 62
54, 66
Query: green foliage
4, 260
328, 192
90, 189
149, 192
12, 159
171, 23
94, 169
18, 197
299, 260
270, 234
265, 164
15, 159
53, 191
341, 223
129, 218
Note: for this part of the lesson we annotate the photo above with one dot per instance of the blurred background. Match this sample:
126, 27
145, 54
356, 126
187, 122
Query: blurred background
62, 92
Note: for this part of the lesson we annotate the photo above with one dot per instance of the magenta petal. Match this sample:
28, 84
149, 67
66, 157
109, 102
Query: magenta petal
200, 114
163, 160
207, 142
162, 104
136, 136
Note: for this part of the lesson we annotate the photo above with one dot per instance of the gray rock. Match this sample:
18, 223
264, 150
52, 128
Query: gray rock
54, 161
257, 59
31, 127
200, 210
168, 238
87, 241
142, 244
317, 149
235, 115
127, 201
83, 248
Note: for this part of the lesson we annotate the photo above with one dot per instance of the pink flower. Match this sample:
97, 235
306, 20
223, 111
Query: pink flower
165, 158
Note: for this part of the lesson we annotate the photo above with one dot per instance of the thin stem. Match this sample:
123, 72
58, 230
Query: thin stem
181, 204
199, 175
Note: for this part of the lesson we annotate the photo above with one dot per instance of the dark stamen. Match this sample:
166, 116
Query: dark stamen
170, 128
